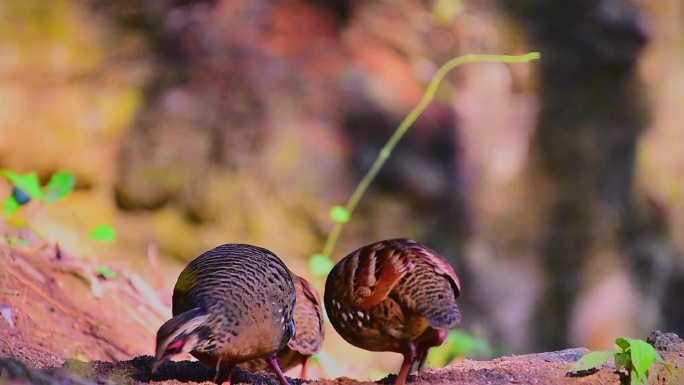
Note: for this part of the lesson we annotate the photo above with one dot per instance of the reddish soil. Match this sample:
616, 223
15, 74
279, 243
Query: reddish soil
62, 308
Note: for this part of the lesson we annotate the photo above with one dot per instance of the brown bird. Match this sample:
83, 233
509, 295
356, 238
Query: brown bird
308, 318
395, 295
232, 304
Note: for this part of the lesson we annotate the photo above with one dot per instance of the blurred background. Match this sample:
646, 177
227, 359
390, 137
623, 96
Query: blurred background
555, 187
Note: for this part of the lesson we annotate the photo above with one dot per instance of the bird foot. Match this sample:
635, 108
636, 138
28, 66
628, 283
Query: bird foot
273, 361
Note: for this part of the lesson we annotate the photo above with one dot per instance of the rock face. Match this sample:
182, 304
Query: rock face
667, 342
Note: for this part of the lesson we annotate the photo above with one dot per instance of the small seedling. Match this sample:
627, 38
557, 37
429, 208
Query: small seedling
106, 272
633, 357
104, 233
459, 343
59, 186
26, 187
320, 265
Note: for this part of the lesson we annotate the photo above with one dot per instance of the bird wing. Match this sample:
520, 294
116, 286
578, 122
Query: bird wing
309, 320
379, 269
312, 295
381, 266
441, 267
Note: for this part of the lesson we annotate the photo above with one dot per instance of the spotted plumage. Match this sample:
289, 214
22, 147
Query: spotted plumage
395, 295
308, 318
232, 304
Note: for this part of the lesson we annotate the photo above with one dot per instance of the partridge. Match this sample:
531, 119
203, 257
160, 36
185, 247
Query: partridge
395, 295
308, 318
230, 305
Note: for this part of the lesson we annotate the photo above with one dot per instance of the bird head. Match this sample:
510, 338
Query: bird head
180, 334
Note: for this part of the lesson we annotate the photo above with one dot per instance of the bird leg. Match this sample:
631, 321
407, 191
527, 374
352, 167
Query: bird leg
225, 380
305, 360
217, 371
421, 357
273, 361
433, 339
409, 358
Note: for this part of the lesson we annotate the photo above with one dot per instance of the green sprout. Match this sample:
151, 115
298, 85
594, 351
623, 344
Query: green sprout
320, 265
59, 186
633, 357
459, 343
26, 187
104, 233
106, 272
342, 214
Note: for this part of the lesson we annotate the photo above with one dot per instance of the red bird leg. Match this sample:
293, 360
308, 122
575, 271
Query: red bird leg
409, 358
305, 360
421, 357
273, 361
424, 347
226, 380
217, 371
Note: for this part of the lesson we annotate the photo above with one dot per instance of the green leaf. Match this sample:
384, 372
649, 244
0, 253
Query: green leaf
106, 272
459, 343
659, 358
591, 360
11, 206
104, 233
339, 214
82, 357
59, 186
643, 356
622, 343
467, 345
621, 359
320, 264
28, 182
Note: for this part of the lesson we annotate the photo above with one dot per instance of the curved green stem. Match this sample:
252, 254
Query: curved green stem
386, 150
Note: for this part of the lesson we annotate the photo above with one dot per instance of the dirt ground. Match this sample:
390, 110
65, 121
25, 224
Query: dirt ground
61, 308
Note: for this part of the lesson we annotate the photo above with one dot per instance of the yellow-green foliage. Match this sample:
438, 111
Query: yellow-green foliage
633, 356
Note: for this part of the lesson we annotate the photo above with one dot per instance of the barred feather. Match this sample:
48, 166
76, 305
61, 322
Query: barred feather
249, 297
389, 292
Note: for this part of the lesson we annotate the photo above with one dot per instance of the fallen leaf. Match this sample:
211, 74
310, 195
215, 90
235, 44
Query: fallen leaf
7, 313
59, 186
82, 357
106, 272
